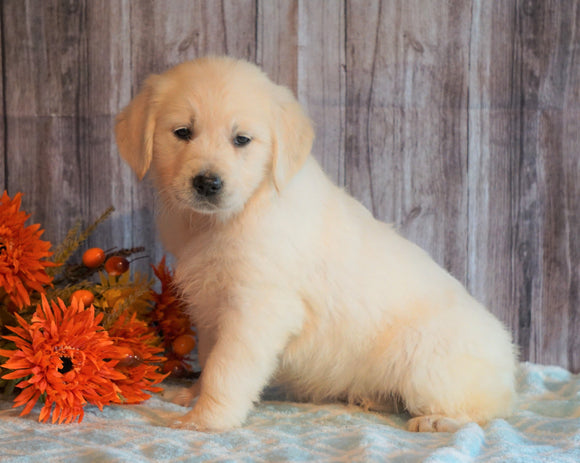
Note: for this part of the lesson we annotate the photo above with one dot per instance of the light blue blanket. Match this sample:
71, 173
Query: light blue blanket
545, 428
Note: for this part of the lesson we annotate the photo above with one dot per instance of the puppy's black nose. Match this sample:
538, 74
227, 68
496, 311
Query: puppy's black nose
207, 184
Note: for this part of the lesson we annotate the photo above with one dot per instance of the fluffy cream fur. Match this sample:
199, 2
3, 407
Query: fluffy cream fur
291, 280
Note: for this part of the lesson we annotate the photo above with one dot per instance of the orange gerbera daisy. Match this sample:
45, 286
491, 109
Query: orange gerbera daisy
65, 355
22, 267
139, 345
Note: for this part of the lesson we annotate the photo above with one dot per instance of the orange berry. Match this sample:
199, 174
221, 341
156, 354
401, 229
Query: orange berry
116, 265
124, 352
175, 367
183, 345
93, 257
84, 295
128, 358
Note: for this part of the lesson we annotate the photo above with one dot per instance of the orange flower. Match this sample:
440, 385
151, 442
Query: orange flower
169, 312
21, 252
138, 344
66, 356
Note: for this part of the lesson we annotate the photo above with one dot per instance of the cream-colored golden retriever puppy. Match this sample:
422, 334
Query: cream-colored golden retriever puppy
288, 278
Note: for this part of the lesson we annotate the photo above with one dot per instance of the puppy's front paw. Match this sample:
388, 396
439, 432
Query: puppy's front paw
199, 420
192, 421
186, 423
434, 423
183, 396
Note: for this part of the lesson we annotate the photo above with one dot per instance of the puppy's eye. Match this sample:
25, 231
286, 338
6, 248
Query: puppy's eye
241, 140
183, 133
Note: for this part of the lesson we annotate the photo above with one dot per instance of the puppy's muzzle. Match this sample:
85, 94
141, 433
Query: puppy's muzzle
207, 185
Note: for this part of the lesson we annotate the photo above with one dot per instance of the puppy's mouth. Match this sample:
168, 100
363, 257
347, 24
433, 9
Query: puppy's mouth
205, 207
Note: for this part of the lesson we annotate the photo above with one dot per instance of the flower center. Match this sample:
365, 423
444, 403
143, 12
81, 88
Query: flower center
67, 365
70, 358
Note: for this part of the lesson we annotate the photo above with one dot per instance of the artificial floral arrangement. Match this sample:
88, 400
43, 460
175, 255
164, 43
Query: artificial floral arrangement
78, 333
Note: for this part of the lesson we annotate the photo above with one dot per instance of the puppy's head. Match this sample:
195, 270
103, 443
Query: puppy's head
214, 131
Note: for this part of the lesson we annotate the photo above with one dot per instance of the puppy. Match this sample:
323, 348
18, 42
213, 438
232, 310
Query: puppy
288, 278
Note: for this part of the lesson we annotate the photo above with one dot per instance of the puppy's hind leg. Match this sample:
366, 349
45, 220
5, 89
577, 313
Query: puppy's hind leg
435, 423
460, 391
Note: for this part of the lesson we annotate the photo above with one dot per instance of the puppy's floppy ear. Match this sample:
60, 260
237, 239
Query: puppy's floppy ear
134, 129
293, 137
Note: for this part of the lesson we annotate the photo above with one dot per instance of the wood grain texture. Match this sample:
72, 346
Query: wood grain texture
553, 73
494, 157
322, 80
457, 121
522, 80
2, 112
406, 120
42, 118
277, 40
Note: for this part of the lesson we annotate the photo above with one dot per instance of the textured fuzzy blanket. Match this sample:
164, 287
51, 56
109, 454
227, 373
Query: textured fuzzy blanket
545, 428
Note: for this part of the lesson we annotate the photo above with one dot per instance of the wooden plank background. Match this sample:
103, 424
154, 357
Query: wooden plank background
456, 120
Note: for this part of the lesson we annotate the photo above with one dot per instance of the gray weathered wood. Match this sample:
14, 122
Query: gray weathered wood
42, 121
551, 43
277, 41
458, 121
523, 201
406, 132
494, 147
322, 79
2, 114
